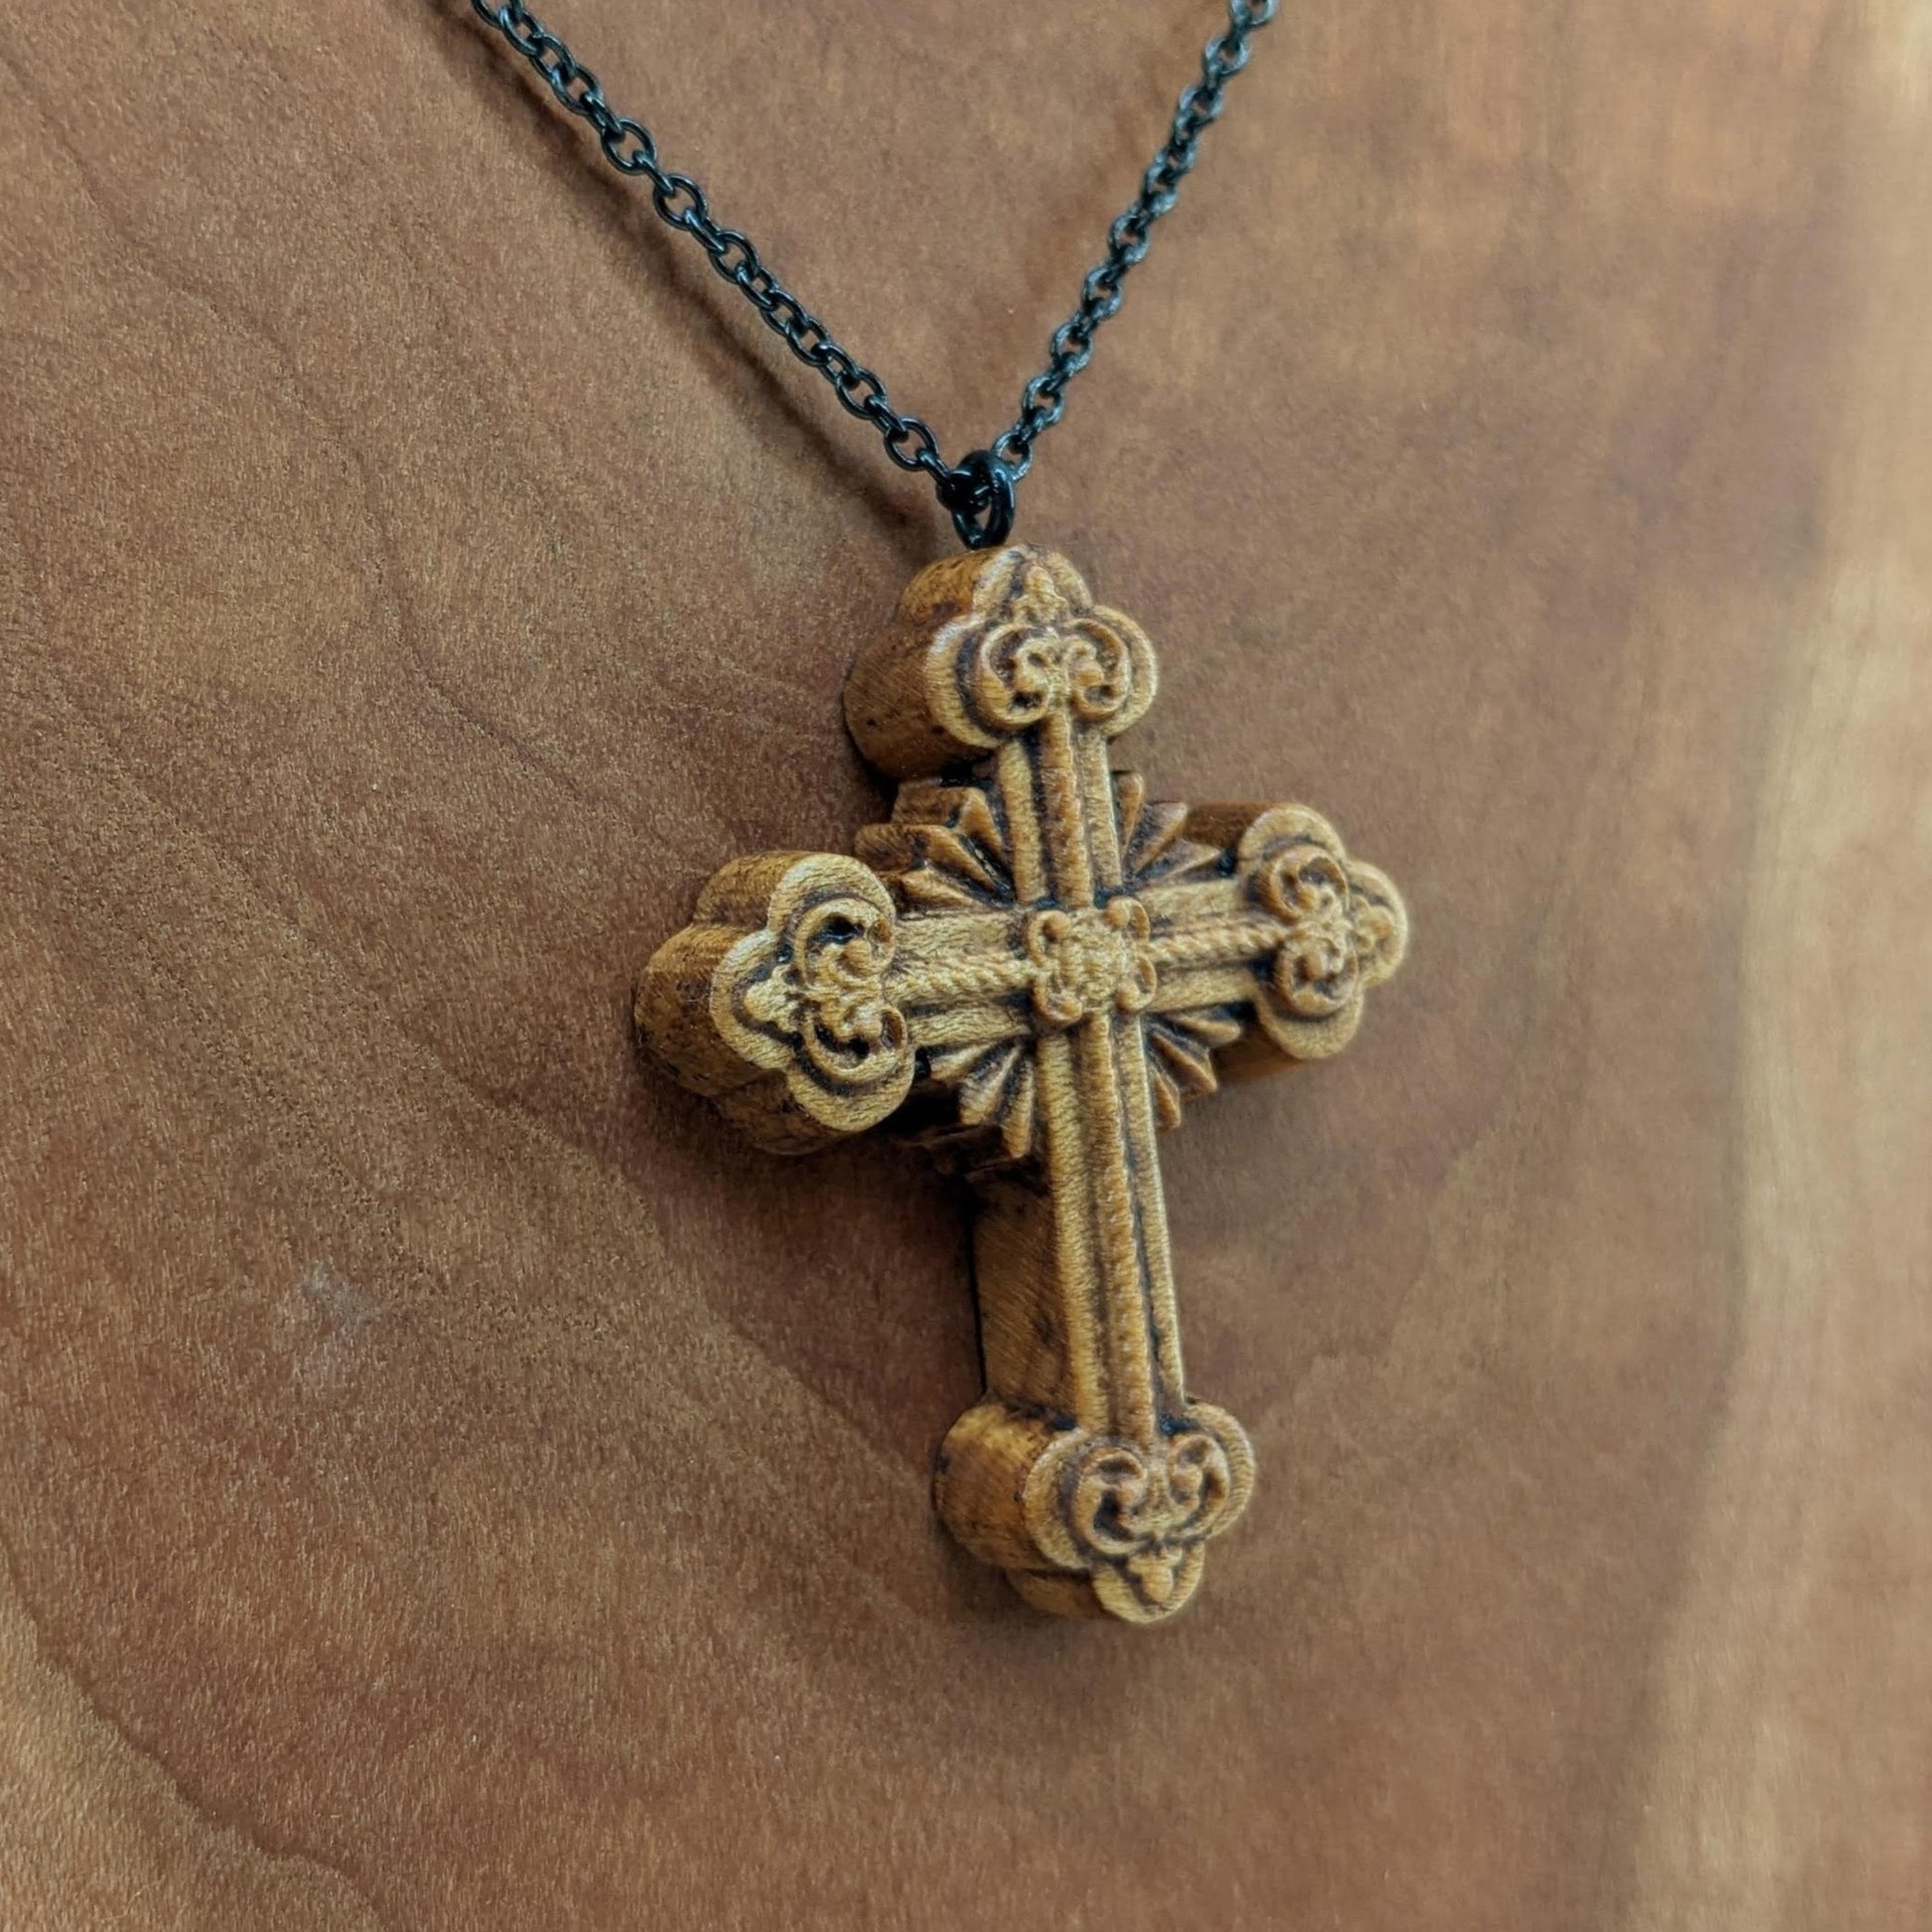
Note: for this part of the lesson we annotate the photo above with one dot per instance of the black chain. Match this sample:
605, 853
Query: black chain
978, 491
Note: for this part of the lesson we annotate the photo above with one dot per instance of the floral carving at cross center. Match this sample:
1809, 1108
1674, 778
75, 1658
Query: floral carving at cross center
1043, 966
1089, 957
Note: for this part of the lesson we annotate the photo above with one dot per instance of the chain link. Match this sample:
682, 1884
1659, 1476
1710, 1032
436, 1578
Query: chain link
979, 489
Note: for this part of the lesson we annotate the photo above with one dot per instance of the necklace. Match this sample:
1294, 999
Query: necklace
1033, 966
978, 491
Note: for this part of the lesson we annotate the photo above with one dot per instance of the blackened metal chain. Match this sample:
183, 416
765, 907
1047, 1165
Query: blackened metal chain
978, 491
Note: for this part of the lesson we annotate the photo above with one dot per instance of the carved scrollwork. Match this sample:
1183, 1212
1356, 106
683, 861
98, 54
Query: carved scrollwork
1135, 1517
1342, 929
806, 996
1021, 672
1034, 643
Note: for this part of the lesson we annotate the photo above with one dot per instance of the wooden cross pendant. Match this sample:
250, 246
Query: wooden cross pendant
1035, 965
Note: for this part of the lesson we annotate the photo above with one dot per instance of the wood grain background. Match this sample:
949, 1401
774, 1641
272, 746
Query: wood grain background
445, 1482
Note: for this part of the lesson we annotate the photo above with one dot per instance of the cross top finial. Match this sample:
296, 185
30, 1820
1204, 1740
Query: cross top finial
1045, 965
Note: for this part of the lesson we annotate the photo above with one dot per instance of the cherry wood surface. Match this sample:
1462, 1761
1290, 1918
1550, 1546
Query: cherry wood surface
446, 1480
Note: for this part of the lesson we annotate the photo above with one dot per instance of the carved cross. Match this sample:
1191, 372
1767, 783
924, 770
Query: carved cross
1038, 966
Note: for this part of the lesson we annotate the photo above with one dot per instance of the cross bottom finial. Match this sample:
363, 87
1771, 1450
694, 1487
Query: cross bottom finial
1040, 965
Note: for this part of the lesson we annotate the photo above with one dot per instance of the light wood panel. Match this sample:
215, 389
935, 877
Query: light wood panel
446, 1482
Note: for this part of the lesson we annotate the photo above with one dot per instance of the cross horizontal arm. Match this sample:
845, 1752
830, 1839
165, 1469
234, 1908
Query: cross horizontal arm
1283, 935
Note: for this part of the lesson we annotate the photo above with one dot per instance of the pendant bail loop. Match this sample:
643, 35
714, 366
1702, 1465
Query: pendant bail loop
979, 493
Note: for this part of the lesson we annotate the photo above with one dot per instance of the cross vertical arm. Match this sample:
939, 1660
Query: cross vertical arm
1087, 1473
